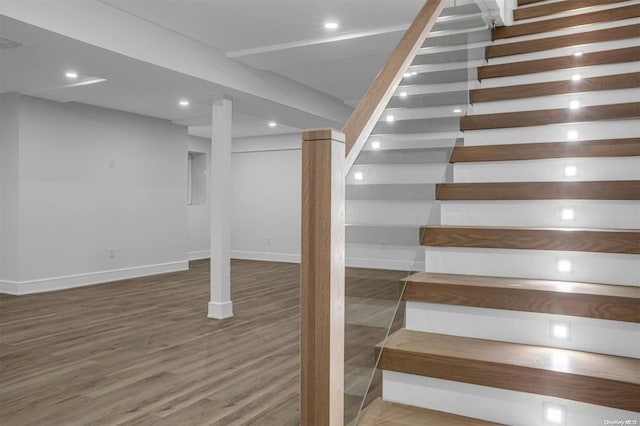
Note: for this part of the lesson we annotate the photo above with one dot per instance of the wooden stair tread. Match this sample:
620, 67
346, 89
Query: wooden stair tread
602, 301
525, 2
608, 15
608, 82
536, 151
557, 7
550, 116
386, 413
596, 190
627, 54
594, 378
623, 241
538, 45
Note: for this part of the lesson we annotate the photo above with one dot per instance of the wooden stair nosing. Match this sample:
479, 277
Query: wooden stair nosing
621, 241
629, 147
592, 190
587, 377
526, 2
550, 116
557, 7
608, 15
538, 45
386, 413
592, 84
600, 301
627, 54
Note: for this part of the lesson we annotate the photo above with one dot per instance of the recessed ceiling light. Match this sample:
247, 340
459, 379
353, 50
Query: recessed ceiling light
403, 94
457, 110
576, 77
414, 72
71, 75
375, 145
183, 103
572, 135
407, 74
272, 124
577, 54
575, 104
358, 175
390, 118
331, 25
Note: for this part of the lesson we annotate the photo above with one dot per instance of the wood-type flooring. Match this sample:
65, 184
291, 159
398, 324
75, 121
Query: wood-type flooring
143, 352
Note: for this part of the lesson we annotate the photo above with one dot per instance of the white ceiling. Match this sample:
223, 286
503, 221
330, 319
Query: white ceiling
286, 37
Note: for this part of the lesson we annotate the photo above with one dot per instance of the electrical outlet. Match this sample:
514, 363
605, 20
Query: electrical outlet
112, 253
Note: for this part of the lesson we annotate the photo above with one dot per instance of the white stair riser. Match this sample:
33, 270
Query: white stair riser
569, 31
549, 170
586, 334
416, 140
398, 173
543, 213
385, 256
491, 404
542, 77
609, 129
603, 97
574, 12
558, 75
603, 268
392, 212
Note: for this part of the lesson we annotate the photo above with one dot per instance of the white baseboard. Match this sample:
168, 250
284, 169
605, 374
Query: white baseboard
219, 310
9, 287
80, 280
197, 255
266, 256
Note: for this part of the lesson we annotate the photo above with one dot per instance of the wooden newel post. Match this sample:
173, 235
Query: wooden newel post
322, 278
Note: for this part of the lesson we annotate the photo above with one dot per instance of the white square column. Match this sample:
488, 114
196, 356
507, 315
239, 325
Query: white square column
220, 305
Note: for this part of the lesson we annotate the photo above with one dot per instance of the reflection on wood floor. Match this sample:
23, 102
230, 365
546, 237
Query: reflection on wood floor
142, 351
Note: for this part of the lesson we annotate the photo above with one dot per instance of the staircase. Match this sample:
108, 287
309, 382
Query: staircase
527, 310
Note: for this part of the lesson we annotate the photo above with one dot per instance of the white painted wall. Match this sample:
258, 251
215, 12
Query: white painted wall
91, 180
266, 198
198, 211
9, 169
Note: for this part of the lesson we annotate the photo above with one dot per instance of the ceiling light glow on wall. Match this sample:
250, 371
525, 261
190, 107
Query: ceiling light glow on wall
358, 175
576, 77
272, 124
331, 25
554, 414
564, 265
567, 213
183, 103
574, 104
572, 135
375, 145
570, 171
390, 118
71, 75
